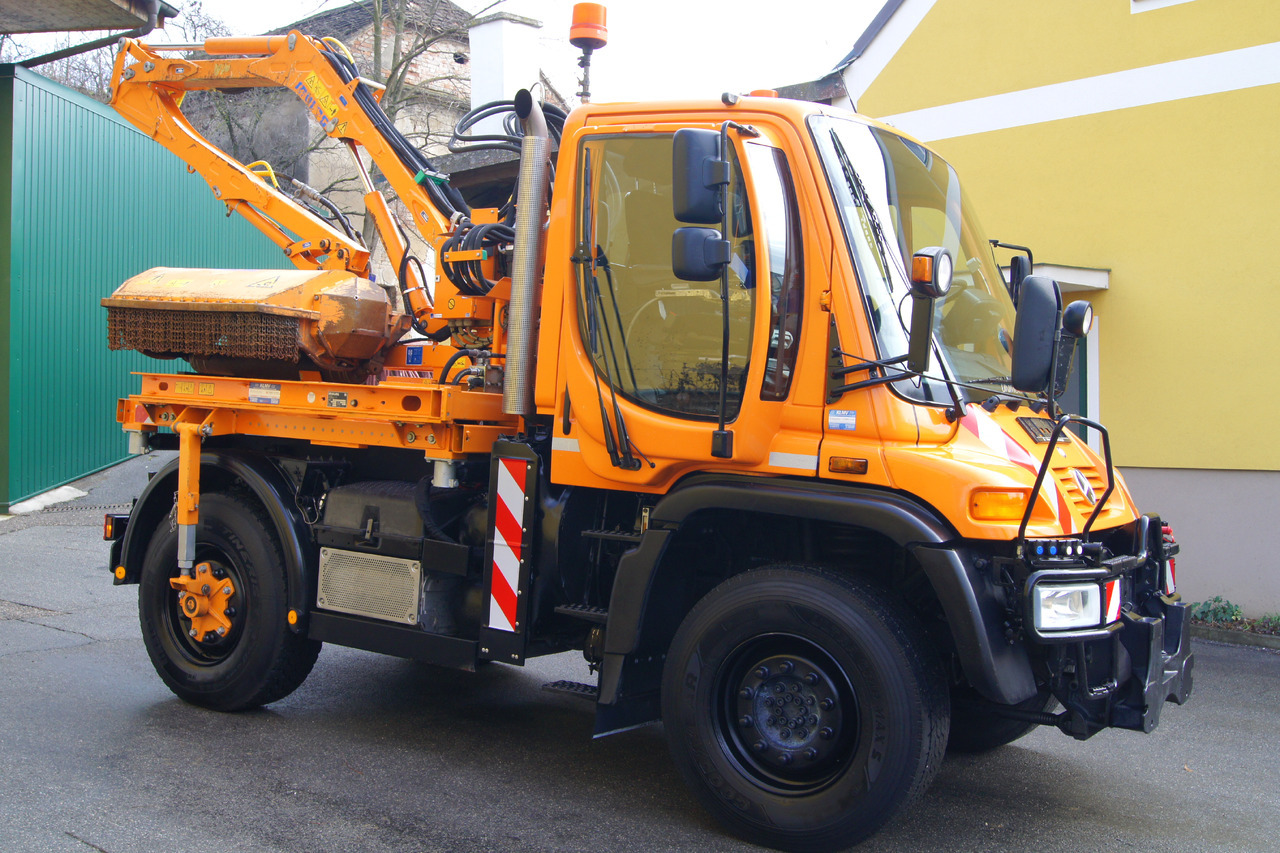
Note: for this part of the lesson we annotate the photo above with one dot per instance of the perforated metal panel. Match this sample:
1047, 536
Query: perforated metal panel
369, 585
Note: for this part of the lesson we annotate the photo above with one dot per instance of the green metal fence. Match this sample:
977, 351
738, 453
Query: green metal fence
86, 202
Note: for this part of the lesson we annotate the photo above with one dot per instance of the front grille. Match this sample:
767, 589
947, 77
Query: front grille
1069, 487
369, 585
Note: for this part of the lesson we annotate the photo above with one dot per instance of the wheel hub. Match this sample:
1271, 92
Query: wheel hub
204, 598
789, 714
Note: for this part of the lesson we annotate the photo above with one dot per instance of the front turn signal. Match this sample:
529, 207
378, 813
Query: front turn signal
998, 504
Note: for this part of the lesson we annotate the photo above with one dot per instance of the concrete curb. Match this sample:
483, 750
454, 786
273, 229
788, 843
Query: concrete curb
1235, 638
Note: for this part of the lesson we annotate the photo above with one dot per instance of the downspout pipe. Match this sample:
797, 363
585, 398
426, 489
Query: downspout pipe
527, 260
153, 20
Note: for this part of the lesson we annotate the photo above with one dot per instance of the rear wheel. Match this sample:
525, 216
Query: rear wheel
803, 707
256, 659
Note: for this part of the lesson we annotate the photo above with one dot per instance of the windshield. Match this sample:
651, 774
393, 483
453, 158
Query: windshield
895, 198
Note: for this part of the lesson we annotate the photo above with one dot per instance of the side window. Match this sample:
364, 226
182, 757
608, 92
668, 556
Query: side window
780, 229
654, 338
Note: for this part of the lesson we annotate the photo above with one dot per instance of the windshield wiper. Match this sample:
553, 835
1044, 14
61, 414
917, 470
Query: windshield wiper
887, 262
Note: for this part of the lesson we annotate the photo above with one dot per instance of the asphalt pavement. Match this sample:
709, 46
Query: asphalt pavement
379, 754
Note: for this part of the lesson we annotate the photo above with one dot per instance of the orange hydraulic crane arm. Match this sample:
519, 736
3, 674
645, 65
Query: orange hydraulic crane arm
148, 87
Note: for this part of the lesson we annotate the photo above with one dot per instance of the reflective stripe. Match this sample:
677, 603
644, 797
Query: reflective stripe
1113, 601
508, 537
799, 461
568, 445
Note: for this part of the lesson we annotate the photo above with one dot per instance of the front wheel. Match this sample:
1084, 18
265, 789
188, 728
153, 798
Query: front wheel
803, 707
226, 643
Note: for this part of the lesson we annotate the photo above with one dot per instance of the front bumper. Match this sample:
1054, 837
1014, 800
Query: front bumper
1120, 672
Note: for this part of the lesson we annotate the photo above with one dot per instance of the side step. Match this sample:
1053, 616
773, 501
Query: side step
574, 688
599, 615
614, 536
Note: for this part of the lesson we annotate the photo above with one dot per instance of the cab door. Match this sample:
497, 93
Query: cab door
641, 363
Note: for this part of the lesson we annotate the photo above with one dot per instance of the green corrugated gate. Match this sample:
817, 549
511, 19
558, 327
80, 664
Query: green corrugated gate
86, 202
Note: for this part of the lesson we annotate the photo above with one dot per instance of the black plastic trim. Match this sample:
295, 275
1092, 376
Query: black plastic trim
999, 671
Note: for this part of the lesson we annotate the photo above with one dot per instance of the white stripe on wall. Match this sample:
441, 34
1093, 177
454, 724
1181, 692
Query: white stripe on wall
1169, 81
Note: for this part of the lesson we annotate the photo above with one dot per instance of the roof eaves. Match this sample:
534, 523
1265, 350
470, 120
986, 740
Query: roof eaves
869, 34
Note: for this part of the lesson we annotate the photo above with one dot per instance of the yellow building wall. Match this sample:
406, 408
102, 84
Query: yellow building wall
1180, 200
965, 49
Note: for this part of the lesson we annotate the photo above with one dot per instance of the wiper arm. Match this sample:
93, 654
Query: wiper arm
584, 259
863, 201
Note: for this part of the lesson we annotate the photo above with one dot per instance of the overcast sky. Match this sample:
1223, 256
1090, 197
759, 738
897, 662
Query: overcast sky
657, 48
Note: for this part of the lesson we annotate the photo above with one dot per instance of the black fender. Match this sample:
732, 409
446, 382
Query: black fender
269, 485
639, 624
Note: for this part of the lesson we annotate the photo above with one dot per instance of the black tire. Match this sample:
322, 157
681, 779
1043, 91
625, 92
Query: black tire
975, 729
259, 660
874, 728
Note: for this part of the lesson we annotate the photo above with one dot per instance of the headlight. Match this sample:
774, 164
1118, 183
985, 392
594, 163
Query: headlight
1066, 606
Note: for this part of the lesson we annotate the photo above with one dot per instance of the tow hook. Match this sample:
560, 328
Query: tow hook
205, 599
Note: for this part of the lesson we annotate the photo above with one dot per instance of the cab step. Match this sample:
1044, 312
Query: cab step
574, 688
599, 615
614, 535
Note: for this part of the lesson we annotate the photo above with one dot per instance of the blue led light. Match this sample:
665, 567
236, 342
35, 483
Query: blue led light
1039, 550
1053, 550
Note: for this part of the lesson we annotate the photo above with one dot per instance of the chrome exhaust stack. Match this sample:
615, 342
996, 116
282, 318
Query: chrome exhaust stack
529, 255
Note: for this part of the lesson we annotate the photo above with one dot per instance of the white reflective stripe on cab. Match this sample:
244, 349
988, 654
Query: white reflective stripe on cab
568, 445
799, 461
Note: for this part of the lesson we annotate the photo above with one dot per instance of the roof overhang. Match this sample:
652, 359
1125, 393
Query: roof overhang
1072, 279
47, 16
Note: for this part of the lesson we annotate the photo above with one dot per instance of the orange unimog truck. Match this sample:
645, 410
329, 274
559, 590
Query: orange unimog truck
731, 396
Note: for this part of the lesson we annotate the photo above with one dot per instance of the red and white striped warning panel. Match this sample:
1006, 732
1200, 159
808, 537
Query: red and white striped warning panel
508, 547
1113, 601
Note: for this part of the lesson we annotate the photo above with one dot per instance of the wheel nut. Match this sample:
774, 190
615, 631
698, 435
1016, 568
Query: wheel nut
204, 590
785, 758
786, 667
761, 672
746, 693
221, 631
759, 746
229, 612
745, 720
827, 704
226, 590
812, 678
192, 632
826, 733
810, 754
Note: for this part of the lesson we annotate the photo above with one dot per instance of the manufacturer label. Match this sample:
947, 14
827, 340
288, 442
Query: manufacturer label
337, 400
846, 419
413, 355
205, 389
264, 392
